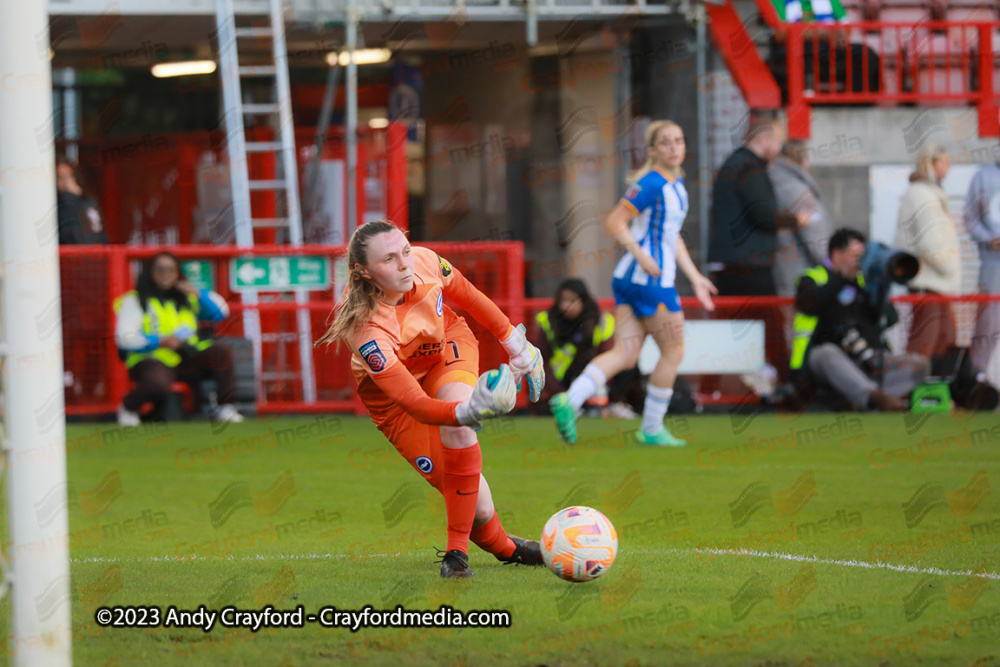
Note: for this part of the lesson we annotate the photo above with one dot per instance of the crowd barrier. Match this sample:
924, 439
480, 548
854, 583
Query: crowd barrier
93, 276
778, 315
929, 63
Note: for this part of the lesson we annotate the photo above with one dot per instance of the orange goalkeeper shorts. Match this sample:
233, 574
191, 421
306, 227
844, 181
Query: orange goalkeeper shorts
420, 444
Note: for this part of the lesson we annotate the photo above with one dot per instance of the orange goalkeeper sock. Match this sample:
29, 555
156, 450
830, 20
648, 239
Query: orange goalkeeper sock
492, 538
460, 483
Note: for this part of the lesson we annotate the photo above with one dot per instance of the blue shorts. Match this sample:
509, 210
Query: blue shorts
645, 300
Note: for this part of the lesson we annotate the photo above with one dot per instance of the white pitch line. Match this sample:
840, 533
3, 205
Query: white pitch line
879, 565
844, 563
175, 559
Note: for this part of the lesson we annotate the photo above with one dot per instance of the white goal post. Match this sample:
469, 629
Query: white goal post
34, 412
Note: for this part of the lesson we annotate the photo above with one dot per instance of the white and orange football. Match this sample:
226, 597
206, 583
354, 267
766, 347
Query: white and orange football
579, 543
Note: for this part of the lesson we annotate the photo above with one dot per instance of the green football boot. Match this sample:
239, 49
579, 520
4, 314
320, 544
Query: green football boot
565, 417
662, 438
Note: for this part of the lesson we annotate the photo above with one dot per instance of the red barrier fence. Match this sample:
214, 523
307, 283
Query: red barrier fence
778, 314
93, 276
929, 63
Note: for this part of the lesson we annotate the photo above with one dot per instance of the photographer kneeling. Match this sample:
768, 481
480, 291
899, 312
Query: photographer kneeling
838, 331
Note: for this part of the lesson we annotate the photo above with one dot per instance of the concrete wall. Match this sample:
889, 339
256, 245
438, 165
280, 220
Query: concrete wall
870, 135
665, 82
588, 134
846, 141
847, 196
544, 188
559, 115
478, 123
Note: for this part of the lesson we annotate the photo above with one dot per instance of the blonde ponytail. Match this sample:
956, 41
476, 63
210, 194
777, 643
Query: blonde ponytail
362, 293
651, 133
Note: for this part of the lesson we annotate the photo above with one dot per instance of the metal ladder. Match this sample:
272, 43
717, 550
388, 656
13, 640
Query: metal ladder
237, 146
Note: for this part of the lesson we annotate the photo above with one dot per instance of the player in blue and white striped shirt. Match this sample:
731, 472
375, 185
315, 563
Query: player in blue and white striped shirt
645, 296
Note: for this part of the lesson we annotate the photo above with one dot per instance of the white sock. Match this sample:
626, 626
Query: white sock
655, 408
586, 385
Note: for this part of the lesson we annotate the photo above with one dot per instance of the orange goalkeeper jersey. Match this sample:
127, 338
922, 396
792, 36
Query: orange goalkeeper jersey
399, 345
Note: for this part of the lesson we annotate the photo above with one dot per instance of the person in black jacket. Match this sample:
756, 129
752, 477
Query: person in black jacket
570, 335
80, 221
839, 332
83, 283
745, 218
743, 235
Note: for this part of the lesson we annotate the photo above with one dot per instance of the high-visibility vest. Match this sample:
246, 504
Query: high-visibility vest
805, 325
563, 355
164, 320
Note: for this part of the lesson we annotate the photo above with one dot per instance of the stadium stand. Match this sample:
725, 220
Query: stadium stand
920, 58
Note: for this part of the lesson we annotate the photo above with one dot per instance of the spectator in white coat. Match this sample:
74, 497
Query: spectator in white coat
925, 230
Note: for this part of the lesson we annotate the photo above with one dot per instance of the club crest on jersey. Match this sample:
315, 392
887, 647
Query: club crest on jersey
424, 464
372, 355
440, 304
633, 192
445, 267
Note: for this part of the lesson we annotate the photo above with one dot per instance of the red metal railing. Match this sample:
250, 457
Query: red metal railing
927, 63
748, 69
93, 276
714, 390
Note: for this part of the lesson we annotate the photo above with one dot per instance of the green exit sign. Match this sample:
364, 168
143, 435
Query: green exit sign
279, 273
199, 273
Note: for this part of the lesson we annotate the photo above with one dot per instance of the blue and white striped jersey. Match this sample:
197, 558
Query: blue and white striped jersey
660, 206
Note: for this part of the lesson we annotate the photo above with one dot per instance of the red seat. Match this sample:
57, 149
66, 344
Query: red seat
181, 388
905, 11
971, 10
184, 389
855, 10
867, 10
904, 14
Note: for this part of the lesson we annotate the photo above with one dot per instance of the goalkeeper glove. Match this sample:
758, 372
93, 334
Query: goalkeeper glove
493, 395
525, 361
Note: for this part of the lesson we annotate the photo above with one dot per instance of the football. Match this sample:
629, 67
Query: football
579, 543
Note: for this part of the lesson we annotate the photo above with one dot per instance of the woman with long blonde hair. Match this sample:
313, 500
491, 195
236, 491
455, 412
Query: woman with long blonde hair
416, 364
645, 296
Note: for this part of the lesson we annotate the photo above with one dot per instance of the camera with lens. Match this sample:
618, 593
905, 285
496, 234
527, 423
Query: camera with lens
860, 352
881, 267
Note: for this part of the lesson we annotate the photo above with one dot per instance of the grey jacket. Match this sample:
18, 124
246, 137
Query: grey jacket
795, 190
982, 207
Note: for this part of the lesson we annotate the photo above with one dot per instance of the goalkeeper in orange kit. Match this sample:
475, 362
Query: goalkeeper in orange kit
416, 364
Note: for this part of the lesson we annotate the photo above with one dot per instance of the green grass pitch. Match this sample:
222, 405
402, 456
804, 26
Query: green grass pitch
768, 540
